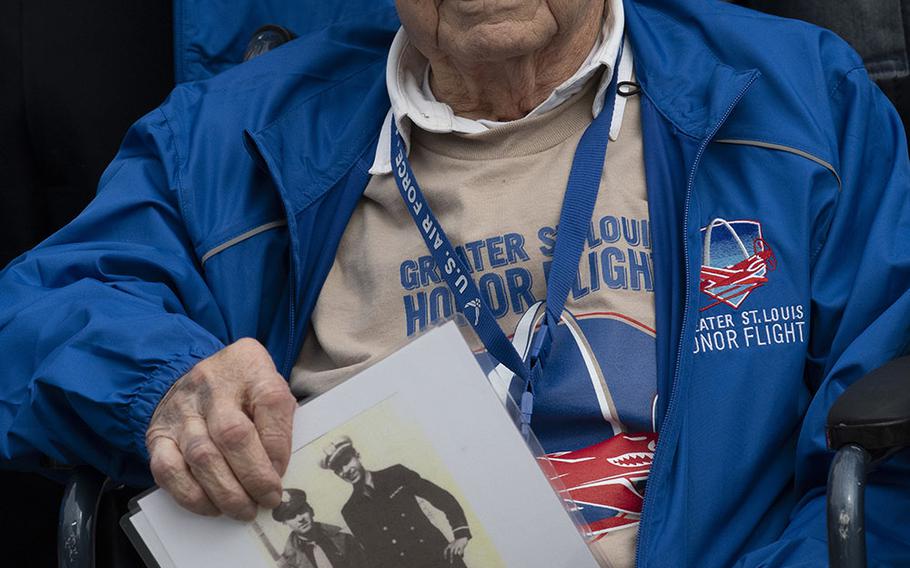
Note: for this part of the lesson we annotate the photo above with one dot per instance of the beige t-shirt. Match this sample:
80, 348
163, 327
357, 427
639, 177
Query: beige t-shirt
498, 195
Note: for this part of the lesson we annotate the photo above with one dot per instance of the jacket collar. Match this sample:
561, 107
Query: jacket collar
340, 104
310, 149
688, 82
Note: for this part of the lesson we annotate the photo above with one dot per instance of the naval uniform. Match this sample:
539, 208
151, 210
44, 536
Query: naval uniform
394, 531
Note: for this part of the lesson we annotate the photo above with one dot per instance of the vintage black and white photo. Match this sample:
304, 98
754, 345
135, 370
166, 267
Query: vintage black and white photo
384, 502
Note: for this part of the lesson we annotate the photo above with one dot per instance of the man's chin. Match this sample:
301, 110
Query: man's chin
474, 11
492, 42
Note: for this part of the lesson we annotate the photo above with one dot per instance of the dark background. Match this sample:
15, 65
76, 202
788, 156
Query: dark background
73, 77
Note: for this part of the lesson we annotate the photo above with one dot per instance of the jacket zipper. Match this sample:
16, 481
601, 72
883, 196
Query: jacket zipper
288, 361
265, 166
290, 356
674, 389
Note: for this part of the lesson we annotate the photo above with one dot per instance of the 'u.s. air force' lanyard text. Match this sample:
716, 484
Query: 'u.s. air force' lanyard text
431, 232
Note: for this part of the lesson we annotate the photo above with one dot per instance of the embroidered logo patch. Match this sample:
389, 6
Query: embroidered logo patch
735, 262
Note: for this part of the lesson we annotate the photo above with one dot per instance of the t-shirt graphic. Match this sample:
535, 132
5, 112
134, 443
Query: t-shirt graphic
593, 409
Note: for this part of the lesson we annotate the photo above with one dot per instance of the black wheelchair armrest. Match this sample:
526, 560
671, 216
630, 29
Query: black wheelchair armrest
78, 513
874, 412
869, 422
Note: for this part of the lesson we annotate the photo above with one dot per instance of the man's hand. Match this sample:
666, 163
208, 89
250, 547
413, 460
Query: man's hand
220, 440
455, 549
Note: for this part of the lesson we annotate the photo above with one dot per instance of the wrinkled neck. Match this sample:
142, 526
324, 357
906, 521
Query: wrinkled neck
510, 88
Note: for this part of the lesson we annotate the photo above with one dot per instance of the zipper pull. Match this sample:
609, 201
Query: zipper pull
540, 346
527, 409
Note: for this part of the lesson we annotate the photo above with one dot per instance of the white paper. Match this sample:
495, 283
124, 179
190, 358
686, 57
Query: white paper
150, 538
433, 392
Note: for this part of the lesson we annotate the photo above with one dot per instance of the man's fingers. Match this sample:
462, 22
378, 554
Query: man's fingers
454, 550
213, 473
230, 418
171, 473
237, 438
273, 408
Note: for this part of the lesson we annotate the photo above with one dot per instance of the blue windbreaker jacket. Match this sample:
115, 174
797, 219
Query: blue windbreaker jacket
220, 216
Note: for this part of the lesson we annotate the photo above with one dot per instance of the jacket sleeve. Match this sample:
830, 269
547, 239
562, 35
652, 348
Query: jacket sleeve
442, 500
860, 288
97, 322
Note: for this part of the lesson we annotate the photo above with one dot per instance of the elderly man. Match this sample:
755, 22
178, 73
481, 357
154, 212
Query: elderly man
312, 544
384, 514
265, 234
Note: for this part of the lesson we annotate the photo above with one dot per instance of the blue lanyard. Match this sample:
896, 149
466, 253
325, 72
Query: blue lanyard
575, 217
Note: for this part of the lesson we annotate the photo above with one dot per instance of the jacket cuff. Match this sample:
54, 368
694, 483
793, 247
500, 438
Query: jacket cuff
145, 399
461, 532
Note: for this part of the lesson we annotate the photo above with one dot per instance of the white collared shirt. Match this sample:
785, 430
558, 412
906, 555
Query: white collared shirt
413, 103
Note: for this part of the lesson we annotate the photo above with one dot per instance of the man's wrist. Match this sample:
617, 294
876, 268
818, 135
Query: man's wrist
462, 532
154, 390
